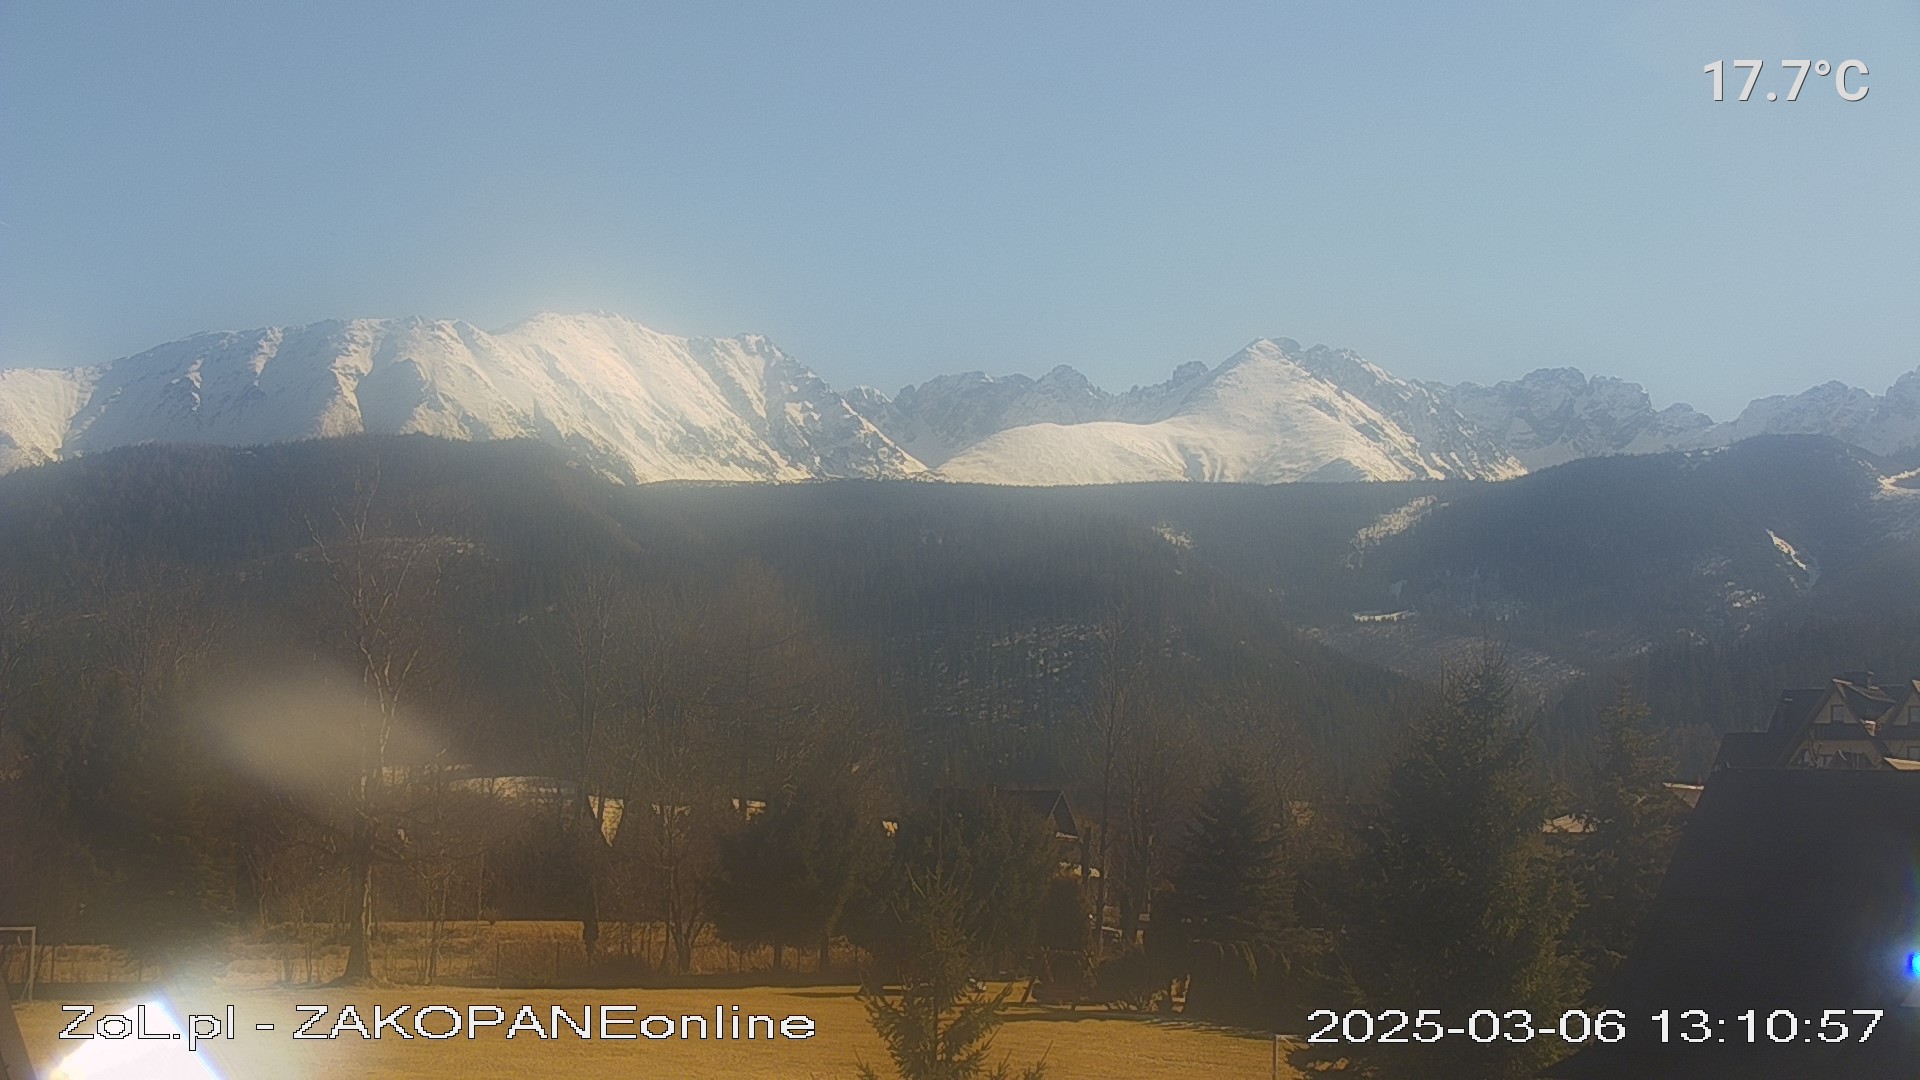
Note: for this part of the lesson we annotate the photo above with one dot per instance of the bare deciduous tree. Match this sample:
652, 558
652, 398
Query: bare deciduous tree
596, 672
1124, 706
385, 588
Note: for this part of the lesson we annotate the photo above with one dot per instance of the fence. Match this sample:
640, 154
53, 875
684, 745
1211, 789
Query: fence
31, 968
10, 936
505, 953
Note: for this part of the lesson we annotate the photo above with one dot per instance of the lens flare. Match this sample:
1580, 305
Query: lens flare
117, 1054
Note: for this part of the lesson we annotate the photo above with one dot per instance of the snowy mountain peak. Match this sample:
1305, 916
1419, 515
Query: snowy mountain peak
1887, 424
633, 403
1554, 415
1271, 413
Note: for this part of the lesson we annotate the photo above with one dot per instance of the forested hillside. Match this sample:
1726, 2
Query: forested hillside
975, 612
972, 606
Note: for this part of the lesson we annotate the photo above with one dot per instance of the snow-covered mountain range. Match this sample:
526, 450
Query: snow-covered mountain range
1271, 413
635, 404
640, 406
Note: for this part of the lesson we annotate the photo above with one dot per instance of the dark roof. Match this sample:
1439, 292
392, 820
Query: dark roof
1794, 721
1048, 803
1864, 701
1795, 707
1849, 731
1688, 794
1749, 750
1904, 693
1791, 889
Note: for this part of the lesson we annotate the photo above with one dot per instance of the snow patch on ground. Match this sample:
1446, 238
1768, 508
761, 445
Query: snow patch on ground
1905, 485
1808, 566
1175, 539
1392, 523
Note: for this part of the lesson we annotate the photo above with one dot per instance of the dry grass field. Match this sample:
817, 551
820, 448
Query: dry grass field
1083, 1044
508, 952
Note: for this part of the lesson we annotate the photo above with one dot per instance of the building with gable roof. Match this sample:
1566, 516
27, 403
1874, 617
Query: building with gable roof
1850, 723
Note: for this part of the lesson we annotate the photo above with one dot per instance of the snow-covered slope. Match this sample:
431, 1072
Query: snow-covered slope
1273, 413
1328, 414
36, 411
640, 405
636, 404
1886, 424
1555, 415
946, 415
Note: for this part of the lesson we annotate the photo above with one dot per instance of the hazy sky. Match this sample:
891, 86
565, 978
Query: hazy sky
895, 190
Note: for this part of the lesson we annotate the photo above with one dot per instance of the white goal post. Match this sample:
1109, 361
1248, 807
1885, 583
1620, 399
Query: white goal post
31, 936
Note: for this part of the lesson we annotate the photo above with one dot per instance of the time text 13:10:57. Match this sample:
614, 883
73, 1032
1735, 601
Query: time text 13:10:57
1780, 1025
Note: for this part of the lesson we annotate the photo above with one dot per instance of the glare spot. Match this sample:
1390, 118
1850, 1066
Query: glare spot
133, 1058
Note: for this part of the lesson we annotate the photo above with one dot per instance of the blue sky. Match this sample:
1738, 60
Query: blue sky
892, 191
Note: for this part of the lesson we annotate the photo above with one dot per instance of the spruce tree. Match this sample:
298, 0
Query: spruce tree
787, 876
941, 1025
759, 892
1229, 905
1632, 827
1468, 905
996, 854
